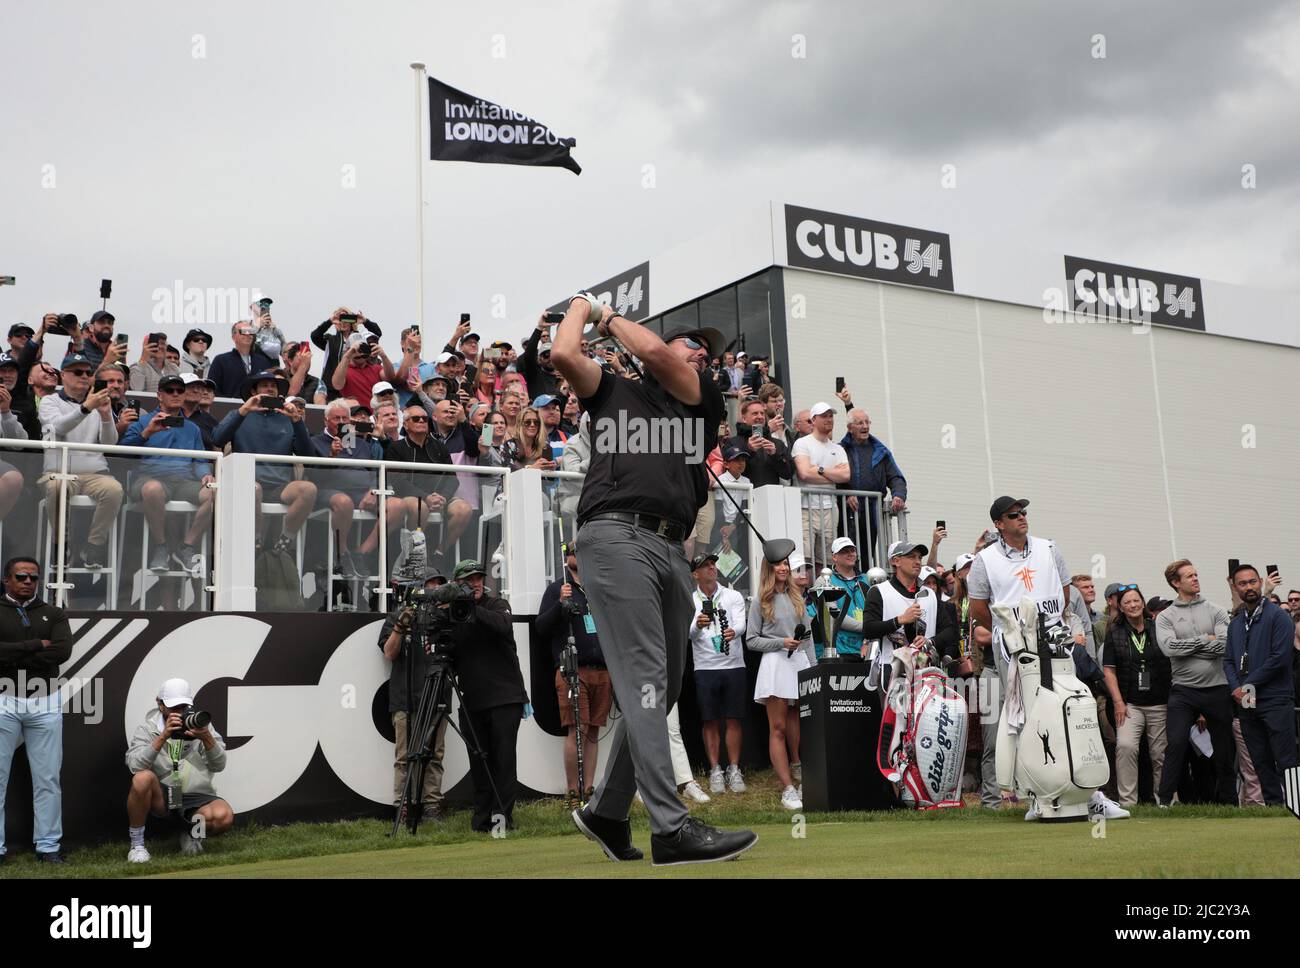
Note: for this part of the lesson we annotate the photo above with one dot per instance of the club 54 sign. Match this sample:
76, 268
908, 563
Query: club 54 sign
855, 246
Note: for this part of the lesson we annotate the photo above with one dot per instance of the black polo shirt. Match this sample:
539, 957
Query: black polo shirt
648, 449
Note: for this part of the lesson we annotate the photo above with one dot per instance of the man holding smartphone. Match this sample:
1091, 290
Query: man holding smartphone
535, 365
158, 480
153, 365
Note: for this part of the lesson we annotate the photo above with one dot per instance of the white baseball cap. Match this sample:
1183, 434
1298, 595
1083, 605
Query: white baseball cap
446, 356
839, 544
796, 562
383, 386
963, 561
926, 572
820, 408
176, 692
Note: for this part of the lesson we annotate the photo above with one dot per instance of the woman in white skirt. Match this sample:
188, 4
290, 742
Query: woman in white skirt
773, 615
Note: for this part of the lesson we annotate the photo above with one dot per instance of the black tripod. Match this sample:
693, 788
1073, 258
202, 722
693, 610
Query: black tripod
434, 707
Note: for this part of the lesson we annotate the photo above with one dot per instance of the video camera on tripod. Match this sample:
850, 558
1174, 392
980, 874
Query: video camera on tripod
435, 612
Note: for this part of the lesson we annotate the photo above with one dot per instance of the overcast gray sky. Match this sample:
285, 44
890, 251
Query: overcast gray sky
226, 170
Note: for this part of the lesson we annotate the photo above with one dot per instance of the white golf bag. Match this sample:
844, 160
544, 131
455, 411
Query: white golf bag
1049, 739
922, 732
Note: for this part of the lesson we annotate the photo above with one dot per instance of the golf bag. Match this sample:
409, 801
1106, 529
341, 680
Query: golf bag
1049, 745
922, 732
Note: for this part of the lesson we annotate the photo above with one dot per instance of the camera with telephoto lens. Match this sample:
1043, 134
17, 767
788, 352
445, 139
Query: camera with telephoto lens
435, 614
191, 720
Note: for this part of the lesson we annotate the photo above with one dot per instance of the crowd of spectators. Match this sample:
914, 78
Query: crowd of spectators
1163, 670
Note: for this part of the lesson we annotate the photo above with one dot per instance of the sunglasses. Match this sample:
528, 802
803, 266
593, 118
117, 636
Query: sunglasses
1125, 588
25, 576
83, 374
691, 344
1014, 515
243, 332
532, 423
171, 389
417, 418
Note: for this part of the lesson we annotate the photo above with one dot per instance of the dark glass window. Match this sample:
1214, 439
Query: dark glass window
755, 321
719, 312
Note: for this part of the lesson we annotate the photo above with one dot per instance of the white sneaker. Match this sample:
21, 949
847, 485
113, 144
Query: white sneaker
790, 799
190, 846
735, 782
1108, 808
715, 780
694, 791
138, 855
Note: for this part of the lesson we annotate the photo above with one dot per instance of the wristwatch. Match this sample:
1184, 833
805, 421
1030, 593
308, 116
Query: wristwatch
821, 470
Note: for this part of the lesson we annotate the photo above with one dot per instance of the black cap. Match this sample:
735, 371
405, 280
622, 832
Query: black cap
1156, 604
700, 560
735, 452
1004, 504
72, 359
99, 314
170, 379
470, 336
19, 328
195, 334
713, 340
253, 379
7, 360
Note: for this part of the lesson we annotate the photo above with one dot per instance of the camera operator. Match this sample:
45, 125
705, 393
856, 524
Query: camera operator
202, 753
492, 688
409, 667
345, 323
363, 364
564, 612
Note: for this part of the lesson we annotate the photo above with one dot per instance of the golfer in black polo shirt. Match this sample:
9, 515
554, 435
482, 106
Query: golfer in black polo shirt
644, 487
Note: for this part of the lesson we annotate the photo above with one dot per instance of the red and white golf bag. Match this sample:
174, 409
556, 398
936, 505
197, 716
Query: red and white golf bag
922, 732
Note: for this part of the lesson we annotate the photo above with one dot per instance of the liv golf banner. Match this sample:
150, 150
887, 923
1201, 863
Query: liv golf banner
466, 128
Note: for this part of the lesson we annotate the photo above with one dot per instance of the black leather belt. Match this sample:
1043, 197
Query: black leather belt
660, 526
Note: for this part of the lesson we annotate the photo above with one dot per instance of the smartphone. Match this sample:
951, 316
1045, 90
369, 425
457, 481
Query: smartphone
464, 317
485, 436
176, 421
105, 288
349, 319
272, 403
1272, 570
554, 318
839, 384
158, 339
121, 339
492, 353
756, 431
941, 525
364, 427
99, 385
1232, 565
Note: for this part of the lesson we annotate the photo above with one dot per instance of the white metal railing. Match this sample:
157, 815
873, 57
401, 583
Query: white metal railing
542, 516
862, 515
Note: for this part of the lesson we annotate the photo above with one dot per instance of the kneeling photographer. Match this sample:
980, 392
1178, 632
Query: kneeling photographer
173, 755
410, 664
476, 628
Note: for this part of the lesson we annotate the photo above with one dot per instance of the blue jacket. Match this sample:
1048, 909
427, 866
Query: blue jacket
1268, 649
185, 437
265, 433
228, 373
872, 468
850, 643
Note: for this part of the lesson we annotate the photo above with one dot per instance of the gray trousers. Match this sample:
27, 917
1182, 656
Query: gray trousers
638, 587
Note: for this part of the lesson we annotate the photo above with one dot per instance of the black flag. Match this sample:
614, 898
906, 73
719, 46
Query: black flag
466, 128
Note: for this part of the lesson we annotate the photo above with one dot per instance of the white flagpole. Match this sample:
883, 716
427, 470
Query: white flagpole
419, 189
